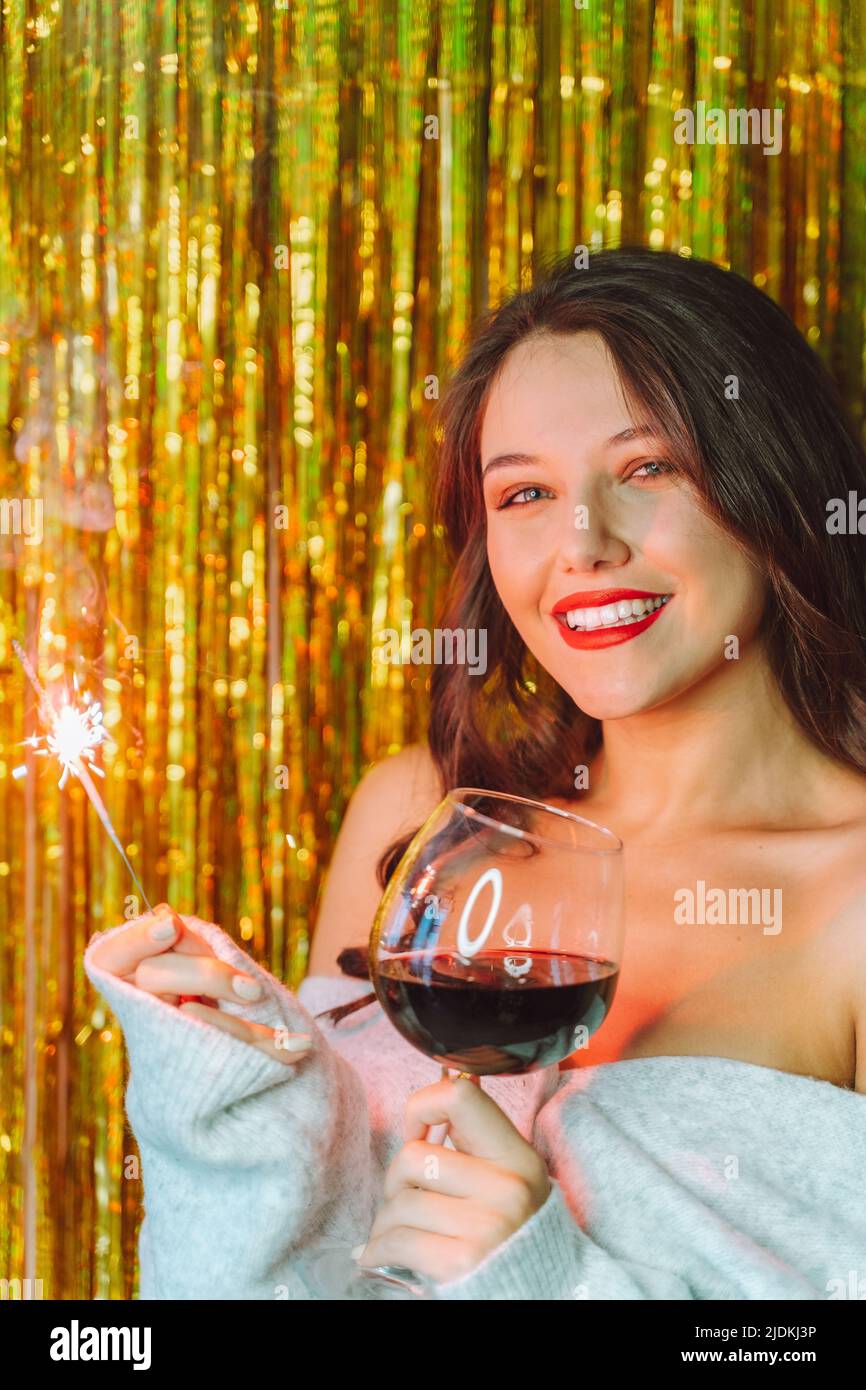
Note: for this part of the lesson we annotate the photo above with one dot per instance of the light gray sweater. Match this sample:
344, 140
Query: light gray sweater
671, 1177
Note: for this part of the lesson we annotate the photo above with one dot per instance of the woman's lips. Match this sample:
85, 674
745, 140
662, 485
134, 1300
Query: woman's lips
593, 639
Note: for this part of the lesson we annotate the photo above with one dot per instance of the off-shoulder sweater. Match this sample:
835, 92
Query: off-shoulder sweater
671, 1177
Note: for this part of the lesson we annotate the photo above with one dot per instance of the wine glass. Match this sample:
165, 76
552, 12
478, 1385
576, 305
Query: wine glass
495, 951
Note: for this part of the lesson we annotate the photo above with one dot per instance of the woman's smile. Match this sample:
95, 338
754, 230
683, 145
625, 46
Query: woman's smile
605, 617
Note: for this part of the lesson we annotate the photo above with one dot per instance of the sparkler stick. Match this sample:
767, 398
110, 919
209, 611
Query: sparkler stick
71, 736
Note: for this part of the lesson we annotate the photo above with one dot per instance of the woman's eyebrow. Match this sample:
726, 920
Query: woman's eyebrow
520, 460
633, 432
509, 461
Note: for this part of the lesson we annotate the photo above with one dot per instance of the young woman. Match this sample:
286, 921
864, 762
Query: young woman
636, 467
739, 763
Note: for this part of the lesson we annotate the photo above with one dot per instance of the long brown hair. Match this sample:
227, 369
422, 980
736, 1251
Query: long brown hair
765, 463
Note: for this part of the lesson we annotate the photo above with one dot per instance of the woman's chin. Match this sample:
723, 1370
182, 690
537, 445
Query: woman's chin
613, 704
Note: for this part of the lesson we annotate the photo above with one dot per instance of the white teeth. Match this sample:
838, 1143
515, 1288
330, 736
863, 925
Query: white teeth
620, 614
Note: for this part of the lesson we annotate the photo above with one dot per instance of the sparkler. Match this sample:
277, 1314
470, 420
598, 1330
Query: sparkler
72, 734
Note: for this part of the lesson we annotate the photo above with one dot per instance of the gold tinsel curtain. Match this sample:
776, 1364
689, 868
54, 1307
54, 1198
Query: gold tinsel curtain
241, 242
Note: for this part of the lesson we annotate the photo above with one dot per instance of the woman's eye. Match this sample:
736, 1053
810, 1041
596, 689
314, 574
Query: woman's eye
660, 466
526, 493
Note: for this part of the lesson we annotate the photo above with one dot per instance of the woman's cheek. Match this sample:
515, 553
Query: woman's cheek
502, 574
518, 571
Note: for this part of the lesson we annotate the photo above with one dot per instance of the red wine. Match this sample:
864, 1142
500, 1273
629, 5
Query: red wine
502, 1012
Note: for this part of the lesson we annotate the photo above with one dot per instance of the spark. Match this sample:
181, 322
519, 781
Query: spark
72, 736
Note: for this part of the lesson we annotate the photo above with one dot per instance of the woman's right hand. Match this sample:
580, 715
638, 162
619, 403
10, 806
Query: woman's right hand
159, 953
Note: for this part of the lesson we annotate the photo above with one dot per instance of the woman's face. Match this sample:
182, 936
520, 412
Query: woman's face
591, 516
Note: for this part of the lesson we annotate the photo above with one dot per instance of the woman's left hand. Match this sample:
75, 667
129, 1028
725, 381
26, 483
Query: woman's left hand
446, 1209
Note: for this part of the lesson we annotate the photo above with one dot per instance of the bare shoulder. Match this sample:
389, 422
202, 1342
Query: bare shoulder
845, 935
404, 785
843, 946
839, 879
393, 798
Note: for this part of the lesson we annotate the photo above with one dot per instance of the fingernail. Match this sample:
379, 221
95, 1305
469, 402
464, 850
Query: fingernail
162, 931
247, 989
299, 1043
358, 1250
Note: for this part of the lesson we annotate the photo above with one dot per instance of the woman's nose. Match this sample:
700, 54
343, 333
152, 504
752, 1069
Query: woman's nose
589, 536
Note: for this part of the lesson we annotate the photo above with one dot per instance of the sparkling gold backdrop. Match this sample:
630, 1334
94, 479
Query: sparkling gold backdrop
240, 245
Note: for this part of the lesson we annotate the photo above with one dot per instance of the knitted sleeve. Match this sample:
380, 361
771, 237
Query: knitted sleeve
247, 1163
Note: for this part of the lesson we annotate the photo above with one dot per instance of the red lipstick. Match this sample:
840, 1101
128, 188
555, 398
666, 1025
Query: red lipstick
595, 598
592, 640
